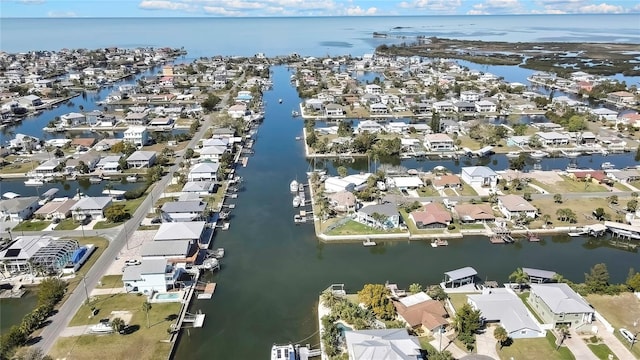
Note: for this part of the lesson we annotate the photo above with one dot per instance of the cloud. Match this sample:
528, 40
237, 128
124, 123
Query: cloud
61, 14
577, 6
601, 9
498, 7
164, 5
220, 11
432, 5
357, 10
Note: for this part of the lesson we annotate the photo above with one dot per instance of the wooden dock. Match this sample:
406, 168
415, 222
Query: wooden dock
207, 291
245, 161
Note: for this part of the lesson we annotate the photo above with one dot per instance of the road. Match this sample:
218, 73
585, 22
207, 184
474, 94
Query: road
118, 236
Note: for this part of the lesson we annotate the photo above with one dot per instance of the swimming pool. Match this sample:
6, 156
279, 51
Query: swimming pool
167, 297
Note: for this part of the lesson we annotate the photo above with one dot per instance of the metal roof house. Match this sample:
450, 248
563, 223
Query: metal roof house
37, 253
539, 276
558, 304
166, 249
180, 231
459, 277
382, 344
152, 275
181, 211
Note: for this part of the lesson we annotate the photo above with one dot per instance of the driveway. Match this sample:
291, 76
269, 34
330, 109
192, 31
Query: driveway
486, 343
579, 347
620, 350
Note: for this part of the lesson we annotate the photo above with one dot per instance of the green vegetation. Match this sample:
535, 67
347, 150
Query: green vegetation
31, 225
602, 351
376, 298
620, 310
534, 349
110, 282
67, 224
466, 322
355, 228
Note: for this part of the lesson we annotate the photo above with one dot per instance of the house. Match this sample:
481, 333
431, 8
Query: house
151, 276
348, 183
621, 98
369, 126
553, 138
514, 206
595, 176
141, 159
421, 311
459, 277
56, 209
464, 107
204, 171
199, 187
212, 153
486, 106
168, 249
372, 89
223, 133
237, 111
441, 182
48, 167
505, 307
474, 213
624, 176
469, 95
537, 276
378, 109
137, 135
333, 110
40, 252
384, 215
481, 176
605, 114
137, 118
438, 142
30, 101
432, 216
109, 164
190, 230
382, 344
179, 211
442, 106
449, 126
557, 304
19, 208
73, 119
342, 201
90, 207
405, 182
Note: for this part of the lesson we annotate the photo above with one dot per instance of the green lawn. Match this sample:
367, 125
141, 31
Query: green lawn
142, 343
534, 349
427, 191
67, 224
621, 311
467, 191
472, 226
570, 185
18, 168
31, 225
110, 281
105, 225
602, 351
457, 300
355, 228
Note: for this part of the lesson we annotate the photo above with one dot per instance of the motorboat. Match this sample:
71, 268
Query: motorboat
297, 218
217, 253
439, 242
513, 154
538, 154
211, 264
296, 201
131, 178
280, 101
577, 231
95, 180
33, 182
283, 352
368, 242
300, 187
571, 154
102, 327
293, 186
607, 166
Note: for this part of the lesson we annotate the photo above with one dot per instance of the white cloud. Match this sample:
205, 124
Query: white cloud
432, 5
217, 10
61, 14
499, 7
601, 9
164, 5
357, 10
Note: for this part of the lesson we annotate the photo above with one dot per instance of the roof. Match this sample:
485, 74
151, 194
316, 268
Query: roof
386, 209
153, 266
431, 213
193, 206
560, 298
407, 181
429, 313
446, 180
56, 206
179, 230
515, 203
169, 248
479, 171
537, 273
197, 186
381, 344
140, 155
205, 167
504, 306
131, 273
24, 247
461, 273
15, 205
343, 198
437, 137
92, 203
469, 212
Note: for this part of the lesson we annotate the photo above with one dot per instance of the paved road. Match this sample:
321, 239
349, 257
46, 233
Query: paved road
118, 238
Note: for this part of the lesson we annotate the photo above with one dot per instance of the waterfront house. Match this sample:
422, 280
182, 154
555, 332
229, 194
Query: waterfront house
212, 153
333, 110
537, 276
204, 171
397, 127
372, 89
342, 201
180, 211
464, 107
48, 167
18, 209
449, 126
90, 207
369, 126
314, 104
441, 182
55, 209
438, 142
378, 109
385, 216
514, 206
223, 133
137, 135
621, 98
469, 95
519, 141
177, 250
605, 114
463, 277
137, 118
420, 311
431, 216
237, 111
552, 138
594, 176
194, 231
405, 182
199, 187
41, 253
474, 213
109, 164
382, 344
557, 304
481, 176
486, 106
151, 276
141, 159
82, 143
624, 176
503, 306
72, 119
348, 183
442, 106
30, 101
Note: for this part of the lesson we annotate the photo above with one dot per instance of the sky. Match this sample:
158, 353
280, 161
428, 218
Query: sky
274, 8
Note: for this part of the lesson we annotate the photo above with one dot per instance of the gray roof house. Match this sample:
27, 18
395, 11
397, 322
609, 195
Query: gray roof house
180, 231
199, 187
166, 249
179, 211
152, 275
204, 171
539, 276
141, 159
90, 207
505, 307
459, 277
368, 216
558, 304
512, 206
479, 176
19, 208
382, 344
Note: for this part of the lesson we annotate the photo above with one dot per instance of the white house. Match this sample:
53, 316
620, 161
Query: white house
513, 206
486, 106
141, 159
73, 119
388, 213
213, 153
368, 125
438, 142
204, 171
92, 207
151, 276
605, 114
137, 135
19, 208
372, 89
481, 176
382, 344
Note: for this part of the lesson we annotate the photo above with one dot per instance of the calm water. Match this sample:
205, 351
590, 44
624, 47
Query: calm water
274, 270
12, 310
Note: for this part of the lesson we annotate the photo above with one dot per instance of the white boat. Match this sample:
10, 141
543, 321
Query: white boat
538, 154
368, 242
607, 166
571, 154
132, 179
95, 180
101, 328
300, 187
577, 231
293, 187
513, 154
33, 182
296, 201
280, 101
297, 218
211, 263
438, 242
283, 352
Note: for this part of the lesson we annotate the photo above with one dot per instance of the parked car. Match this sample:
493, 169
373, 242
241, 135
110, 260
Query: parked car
132, 262
156, 221
628, 335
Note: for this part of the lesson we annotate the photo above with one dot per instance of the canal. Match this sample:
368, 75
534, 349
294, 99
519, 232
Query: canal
273, 270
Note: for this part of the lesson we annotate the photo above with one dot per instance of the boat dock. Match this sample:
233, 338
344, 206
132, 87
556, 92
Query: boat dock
196, 319
501, 236
207, 291
245, 161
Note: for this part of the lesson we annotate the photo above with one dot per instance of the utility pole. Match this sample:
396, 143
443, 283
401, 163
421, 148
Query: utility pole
86, 293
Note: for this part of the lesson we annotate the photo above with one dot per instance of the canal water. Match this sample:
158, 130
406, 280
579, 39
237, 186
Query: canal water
273, 270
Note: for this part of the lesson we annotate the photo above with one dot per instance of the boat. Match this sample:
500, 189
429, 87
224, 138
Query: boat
298, 138
95, 180
538, 154
297, 218
132, 178
293, 186
217, 253
280, 101
577, 231
224, 214
368, 242
607, 166
571, 154
296, 201
103, 327
283, 352
295, 113
211, 264
33, 182
301, 187
439, 242
532, 237
513, 154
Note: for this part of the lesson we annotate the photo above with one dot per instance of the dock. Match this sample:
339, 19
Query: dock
245, 161
196, 319
207, 291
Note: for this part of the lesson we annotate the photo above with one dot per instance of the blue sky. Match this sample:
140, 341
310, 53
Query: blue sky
243, 8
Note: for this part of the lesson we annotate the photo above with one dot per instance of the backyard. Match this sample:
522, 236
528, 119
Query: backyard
355, 228
534, 349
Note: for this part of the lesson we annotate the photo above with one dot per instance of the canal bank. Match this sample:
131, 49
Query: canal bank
273, 270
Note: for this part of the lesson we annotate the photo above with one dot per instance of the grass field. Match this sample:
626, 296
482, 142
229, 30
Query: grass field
141, 343
110, 281
67, 224
621, 311
31, 225
580, 207
355, 228
602, 351
457, 300
18, 168
534, 349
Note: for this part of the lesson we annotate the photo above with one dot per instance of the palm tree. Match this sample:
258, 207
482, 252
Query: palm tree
519, 277
563, 332
329, 298
118, 325
146, 306
501, 335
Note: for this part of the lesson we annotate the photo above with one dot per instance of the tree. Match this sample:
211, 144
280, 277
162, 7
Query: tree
637, 156
436, 292
345, 129
563, 332
329, 298
519, 277
613, 199
415, 288
435, 123
116, 213
210, 103
501, 335
342, 171
557, 198
117, 324
466, 322
597, 280
188, 154
632, 205
599, 213
376, 298
146, 306
518, 163
634, 282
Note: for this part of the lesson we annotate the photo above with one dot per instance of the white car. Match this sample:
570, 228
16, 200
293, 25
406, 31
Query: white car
628, 335
132, 262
